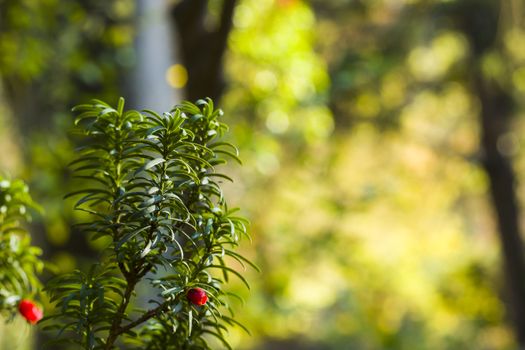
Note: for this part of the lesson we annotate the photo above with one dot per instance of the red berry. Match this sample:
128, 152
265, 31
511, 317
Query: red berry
197, 296
30, 311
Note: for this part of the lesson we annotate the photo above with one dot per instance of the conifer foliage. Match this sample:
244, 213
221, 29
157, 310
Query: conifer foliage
154, 196
19, 260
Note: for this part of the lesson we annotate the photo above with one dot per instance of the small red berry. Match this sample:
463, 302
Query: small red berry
30, 311
197, 296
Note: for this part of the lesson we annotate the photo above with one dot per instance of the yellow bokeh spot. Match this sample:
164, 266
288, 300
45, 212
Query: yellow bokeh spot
367, 104
518, 78
177, 76
57, 232
432, 61
64, 261
514, 41
393, 89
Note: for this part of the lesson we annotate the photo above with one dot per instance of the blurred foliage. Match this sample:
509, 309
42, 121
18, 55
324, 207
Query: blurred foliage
363, 183
69, 47
57, 54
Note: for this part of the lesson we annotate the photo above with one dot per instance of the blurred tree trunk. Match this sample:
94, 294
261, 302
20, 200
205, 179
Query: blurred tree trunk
202, 49
155, 49
480, 22
494, 119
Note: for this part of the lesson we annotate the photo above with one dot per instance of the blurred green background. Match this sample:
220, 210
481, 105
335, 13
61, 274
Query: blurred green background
382, 148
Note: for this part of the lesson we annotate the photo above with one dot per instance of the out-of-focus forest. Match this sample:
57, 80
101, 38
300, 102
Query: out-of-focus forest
382, 143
